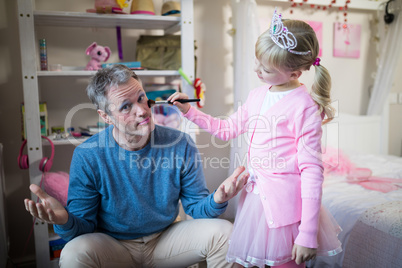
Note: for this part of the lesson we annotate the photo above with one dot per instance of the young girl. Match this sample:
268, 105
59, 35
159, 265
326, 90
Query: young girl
280, 221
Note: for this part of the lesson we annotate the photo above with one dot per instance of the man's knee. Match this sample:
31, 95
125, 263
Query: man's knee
222, 227
94, 250
79, 249
220, 230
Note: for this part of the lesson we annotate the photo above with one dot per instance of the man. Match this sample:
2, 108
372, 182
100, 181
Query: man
125, 186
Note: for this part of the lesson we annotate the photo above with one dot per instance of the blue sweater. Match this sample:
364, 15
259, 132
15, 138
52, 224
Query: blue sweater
131, 194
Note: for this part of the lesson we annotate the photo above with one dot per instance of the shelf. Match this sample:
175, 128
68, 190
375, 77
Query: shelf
94, 20
68, 141
91, 73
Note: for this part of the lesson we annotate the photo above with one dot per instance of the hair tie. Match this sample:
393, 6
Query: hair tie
317, 62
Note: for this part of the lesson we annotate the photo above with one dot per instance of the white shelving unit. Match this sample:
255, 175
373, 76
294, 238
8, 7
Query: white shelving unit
29, 19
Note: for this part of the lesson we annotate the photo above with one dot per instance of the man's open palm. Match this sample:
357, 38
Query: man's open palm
49, 210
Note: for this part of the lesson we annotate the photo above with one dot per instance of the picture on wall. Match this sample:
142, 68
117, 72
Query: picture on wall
317, 27
346, 40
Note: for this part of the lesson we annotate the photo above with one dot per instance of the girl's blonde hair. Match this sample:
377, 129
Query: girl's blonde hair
268, 52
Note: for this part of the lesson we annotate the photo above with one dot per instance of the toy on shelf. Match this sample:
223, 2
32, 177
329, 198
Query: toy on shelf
122, 3
109, 6
116, 7
98, 54
199, 88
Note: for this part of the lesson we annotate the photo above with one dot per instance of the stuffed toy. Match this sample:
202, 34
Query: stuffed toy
97, 54
56, 185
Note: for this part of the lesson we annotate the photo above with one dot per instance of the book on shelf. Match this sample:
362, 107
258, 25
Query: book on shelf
43, 118
130, 64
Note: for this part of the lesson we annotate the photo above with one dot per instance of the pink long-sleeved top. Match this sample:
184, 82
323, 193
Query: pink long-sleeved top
284, 153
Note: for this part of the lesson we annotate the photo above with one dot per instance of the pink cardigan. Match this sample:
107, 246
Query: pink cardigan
285, 154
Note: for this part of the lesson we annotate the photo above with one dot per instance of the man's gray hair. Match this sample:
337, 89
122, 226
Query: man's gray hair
104, 80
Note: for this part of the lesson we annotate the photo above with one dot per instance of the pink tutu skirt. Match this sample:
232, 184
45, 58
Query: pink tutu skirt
253, 243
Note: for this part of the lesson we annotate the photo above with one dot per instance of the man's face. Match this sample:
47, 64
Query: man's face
129, 110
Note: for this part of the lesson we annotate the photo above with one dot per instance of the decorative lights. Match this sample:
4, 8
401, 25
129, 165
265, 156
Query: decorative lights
324, 7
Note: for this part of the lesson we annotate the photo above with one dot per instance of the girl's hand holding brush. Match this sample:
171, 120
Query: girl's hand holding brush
183, 107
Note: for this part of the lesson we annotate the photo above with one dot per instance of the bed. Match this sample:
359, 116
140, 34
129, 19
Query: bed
371, 219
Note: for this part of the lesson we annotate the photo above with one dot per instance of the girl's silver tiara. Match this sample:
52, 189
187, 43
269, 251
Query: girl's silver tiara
282, 37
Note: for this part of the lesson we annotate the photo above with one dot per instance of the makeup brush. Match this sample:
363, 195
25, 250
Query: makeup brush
152, 102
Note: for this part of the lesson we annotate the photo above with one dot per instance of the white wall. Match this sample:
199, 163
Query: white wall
351, 77
214, 54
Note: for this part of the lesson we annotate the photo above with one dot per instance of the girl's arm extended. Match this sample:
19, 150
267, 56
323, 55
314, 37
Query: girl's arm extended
224, 128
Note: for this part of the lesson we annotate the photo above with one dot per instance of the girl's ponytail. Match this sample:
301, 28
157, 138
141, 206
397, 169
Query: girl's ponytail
321, 91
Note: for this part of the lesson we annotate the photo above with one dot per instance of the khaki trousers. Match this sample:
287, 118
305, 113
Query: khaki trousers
181, 245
